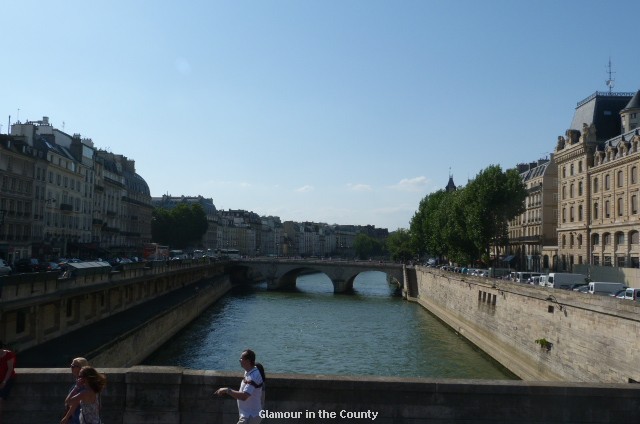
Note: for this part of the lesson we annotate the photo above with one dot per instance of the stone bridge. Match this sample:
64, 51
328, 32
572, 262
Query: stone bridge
282, 273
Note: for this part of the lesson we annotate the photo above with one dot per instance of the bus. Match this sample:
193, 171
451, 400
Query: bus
233, 254
155, 252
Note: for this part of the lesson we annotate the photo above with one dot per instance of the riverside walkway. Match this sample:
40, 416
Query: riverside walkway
82, 342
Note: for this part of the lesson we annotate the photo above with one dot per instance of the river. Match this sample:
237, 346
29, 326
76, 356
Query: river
313, 331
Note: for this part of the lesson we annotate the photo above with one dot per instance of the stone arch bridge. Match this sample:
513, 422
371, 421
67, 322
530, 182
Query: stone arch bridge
281, 274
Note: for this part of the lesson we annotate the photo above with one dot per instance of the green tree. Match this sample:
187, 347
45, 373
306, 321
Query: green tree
399, 245
367, 246
492, 199
180, 227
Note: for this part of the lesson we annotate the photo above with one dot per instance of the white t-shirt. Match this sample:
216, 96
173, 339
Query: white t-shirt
252, 406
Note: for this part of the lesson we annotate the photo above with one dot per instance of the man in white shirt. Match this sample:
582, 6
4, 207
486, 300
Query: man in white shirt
249, 396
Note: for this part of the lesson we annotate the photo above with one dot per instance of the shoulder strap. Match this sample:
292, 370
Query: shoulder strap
253, 383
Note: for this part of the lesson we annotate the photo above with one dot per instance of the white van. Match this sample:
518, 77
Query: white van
632, 294
562, 280
605, 288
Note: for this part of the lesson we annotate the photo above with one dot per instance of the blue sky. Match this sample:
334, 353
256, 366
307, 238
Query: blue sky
343, 112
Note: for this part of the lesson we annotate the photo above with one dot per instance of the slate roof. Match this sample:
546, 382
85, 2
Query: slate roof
603, 110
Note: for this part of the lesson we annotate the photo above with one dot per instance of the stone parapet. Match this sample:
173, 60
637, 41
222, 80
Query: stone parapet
168, 395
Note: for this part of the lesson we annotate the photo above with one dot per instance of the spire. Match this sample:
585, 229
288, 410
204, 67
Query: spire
451, 186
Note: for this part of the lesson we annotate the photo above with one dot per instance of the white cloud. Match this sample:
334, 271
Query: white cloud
411, 184
359, 187
305, 189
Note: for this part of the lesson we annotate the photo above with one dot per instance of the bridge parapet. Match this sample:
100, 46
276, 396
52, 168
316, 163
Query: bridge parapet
282, 273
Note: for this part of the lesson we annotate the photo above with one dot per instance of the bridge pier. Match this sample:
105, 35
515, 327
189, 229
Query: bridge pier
341, 286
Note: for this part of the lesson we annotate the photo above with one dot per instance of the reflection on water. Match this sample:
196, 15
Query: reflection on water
313, 331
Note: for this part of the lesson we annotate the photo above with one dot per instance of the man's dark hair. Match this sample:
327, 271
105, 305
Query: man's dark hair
250, 356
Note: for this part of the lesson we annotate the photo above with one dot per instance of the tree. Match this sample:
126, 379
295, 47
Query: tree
180, 227
367, 246
399, 245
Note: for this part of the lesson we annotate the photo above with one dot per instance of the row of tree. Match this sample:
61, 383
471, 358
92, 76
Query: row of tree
464, 224
180, 227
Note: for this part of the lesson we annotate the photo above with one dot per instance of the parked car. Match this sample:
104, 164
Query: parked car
619, 294
4, 267
51, 266
27, 265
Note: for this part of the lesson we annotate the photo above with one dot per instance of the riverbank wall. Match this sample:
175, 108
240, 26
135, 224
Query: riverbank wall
137, 343
168, 395
538, 333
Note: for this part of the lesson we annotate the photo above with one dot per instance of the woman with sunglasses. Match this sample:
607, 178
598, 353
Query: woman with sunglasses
87, 400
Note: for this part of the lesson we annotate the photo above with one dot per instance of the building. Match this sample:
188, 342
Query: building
595, 161
535, 228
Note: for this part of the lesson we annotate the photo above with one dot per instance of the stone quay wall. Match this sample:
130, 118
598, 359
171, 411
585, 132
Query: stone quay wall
539, 333
169, 395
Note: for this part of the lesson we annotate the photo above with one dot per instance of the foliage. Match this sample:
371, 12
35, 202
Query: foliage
399, 245
180, 227
367, 246
462, 225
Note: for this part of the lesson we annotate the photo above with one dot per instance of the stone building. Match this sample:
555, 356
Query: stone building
597, 162
535, 228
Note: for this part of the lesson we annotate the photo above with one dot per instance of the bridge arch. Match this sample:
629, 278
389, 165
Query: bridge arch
282, 274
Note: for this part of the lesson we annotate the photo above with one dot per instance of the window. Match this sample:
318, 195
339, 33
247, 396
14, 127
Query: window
606, 239
620, 207
564, 172
579, 166
595, 211
607, 183
620, 179
564, 215
607, 213
595, 185
571, 191
634, 175
571, 214
579, 212
620, 262
607, 261
571, 170
620, 239
564, 192
580, 188
634, 237
634, 204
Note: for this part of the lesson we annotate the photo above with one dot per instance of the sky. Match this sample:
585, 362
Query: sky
345, 112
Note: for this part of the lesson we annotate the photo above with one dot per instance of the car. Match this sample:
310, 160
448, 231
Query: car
619, 294
51, 266
27, 265
5, 269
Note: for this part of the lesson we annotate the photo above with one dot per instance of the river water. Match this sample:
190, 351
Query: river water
313, 331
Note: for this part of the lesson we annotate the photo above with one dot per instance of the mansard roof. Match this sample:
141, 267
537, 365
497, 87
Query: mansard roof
603, 110
634, 103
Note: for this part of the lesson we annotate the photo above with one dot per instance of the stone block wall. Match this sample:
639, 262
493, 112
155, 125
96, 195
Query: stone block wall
594, 338
168, 395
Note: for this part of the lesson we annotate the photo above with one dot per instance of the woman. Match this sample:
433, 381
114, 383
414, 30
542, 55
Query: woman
7, 374
87, 400
76, 365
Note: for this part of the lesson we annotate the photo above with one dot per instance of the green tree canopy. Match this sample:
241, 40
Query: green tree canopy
399, 245
462, 225
367, 246
180, 227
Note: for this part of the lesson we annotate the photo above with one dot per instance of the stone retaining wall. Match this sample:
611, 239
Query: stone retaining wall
593, 338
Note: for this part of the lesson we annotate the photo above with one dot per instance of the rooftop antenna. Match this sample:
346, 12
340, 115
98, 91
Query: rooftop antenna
611, 82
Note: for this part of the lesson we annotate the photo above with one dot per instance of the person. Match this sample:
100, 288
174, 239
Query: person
249, 396
76, 365
7, 374
87, 400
